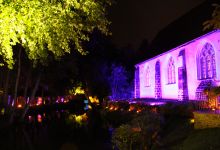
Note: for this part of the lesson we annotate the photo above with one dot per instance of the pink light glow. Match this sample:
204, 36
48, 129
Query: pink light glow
39, 101
156, 103
30, 118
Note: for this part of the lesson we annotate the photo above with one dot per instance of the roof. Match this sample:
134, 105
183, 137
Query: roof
182, 45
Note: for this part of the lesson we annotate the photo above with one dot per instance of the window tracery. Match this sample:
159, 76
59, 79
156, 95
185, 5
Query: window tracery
206, 65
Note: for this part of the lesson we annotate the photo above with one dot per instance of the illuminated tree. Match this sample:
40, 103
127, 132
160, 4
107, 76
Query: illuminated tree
212, 93
121, 87
43, 26
215, 21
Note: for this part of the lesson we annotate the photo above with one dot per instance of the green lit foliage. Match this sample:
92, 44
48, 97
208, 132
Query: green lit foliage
215, 21
77, 90
41, 26
77, 120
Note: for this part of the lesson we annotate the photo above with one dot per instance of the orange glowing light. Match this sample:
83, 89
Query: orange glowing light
112, 108
137, 129
138, 111
39, 118
116, 108
131, 108
19, 106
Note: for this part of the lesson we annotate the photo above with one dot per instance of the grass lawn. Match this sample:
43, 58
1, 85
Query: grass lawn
203, 139
180, 136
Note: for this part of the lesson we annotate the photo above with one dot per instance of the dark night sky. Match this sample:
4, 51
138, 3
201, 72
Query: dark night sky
135, 20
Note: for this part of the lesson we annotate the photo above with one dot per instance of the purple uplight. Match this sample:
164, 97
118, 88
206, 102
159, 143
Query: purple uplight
156, 103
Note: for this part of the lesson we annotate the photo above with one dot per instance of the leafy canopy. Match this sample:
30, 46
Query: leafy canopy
215, 21
41, 26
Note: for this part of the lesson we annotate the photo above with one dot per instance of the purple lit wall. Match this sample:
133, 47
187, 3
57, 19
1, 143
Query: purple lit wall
181, 73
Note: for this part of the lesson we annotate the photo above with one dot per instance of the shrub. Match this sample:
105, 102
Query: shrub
182, 110
141, 133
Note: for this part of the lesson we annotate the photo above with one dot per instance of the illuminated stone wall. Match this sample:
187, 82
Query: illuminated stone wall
181, 73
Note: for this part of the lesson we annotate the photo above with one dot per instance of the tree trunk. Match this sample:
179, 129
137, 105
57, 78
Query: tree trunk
27, 83
18, 75
35, 86
27, 138
32, 95
87, 93
16, 85
2, 86
5, 97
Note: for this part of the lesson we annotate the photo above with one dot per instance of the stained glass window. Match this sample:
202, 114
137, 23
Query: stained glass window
171, 71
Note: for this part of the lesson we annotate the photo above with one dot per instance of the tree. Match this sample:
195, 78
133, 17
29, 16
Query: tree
141, 133
124, 137
212, 93
215, 21
42, 28
121, 87
48, 26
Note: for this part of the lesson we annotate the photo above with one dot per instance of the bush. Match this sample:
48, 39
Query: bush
141, 133
182, 110
117, 118
124, 137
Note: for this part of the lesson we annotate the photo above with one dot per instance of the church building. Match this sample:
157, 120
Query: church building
181, 73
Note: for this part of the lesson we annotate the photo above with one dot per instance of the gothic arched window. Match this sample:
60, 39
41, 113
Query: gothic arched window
206, 62
171, 71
